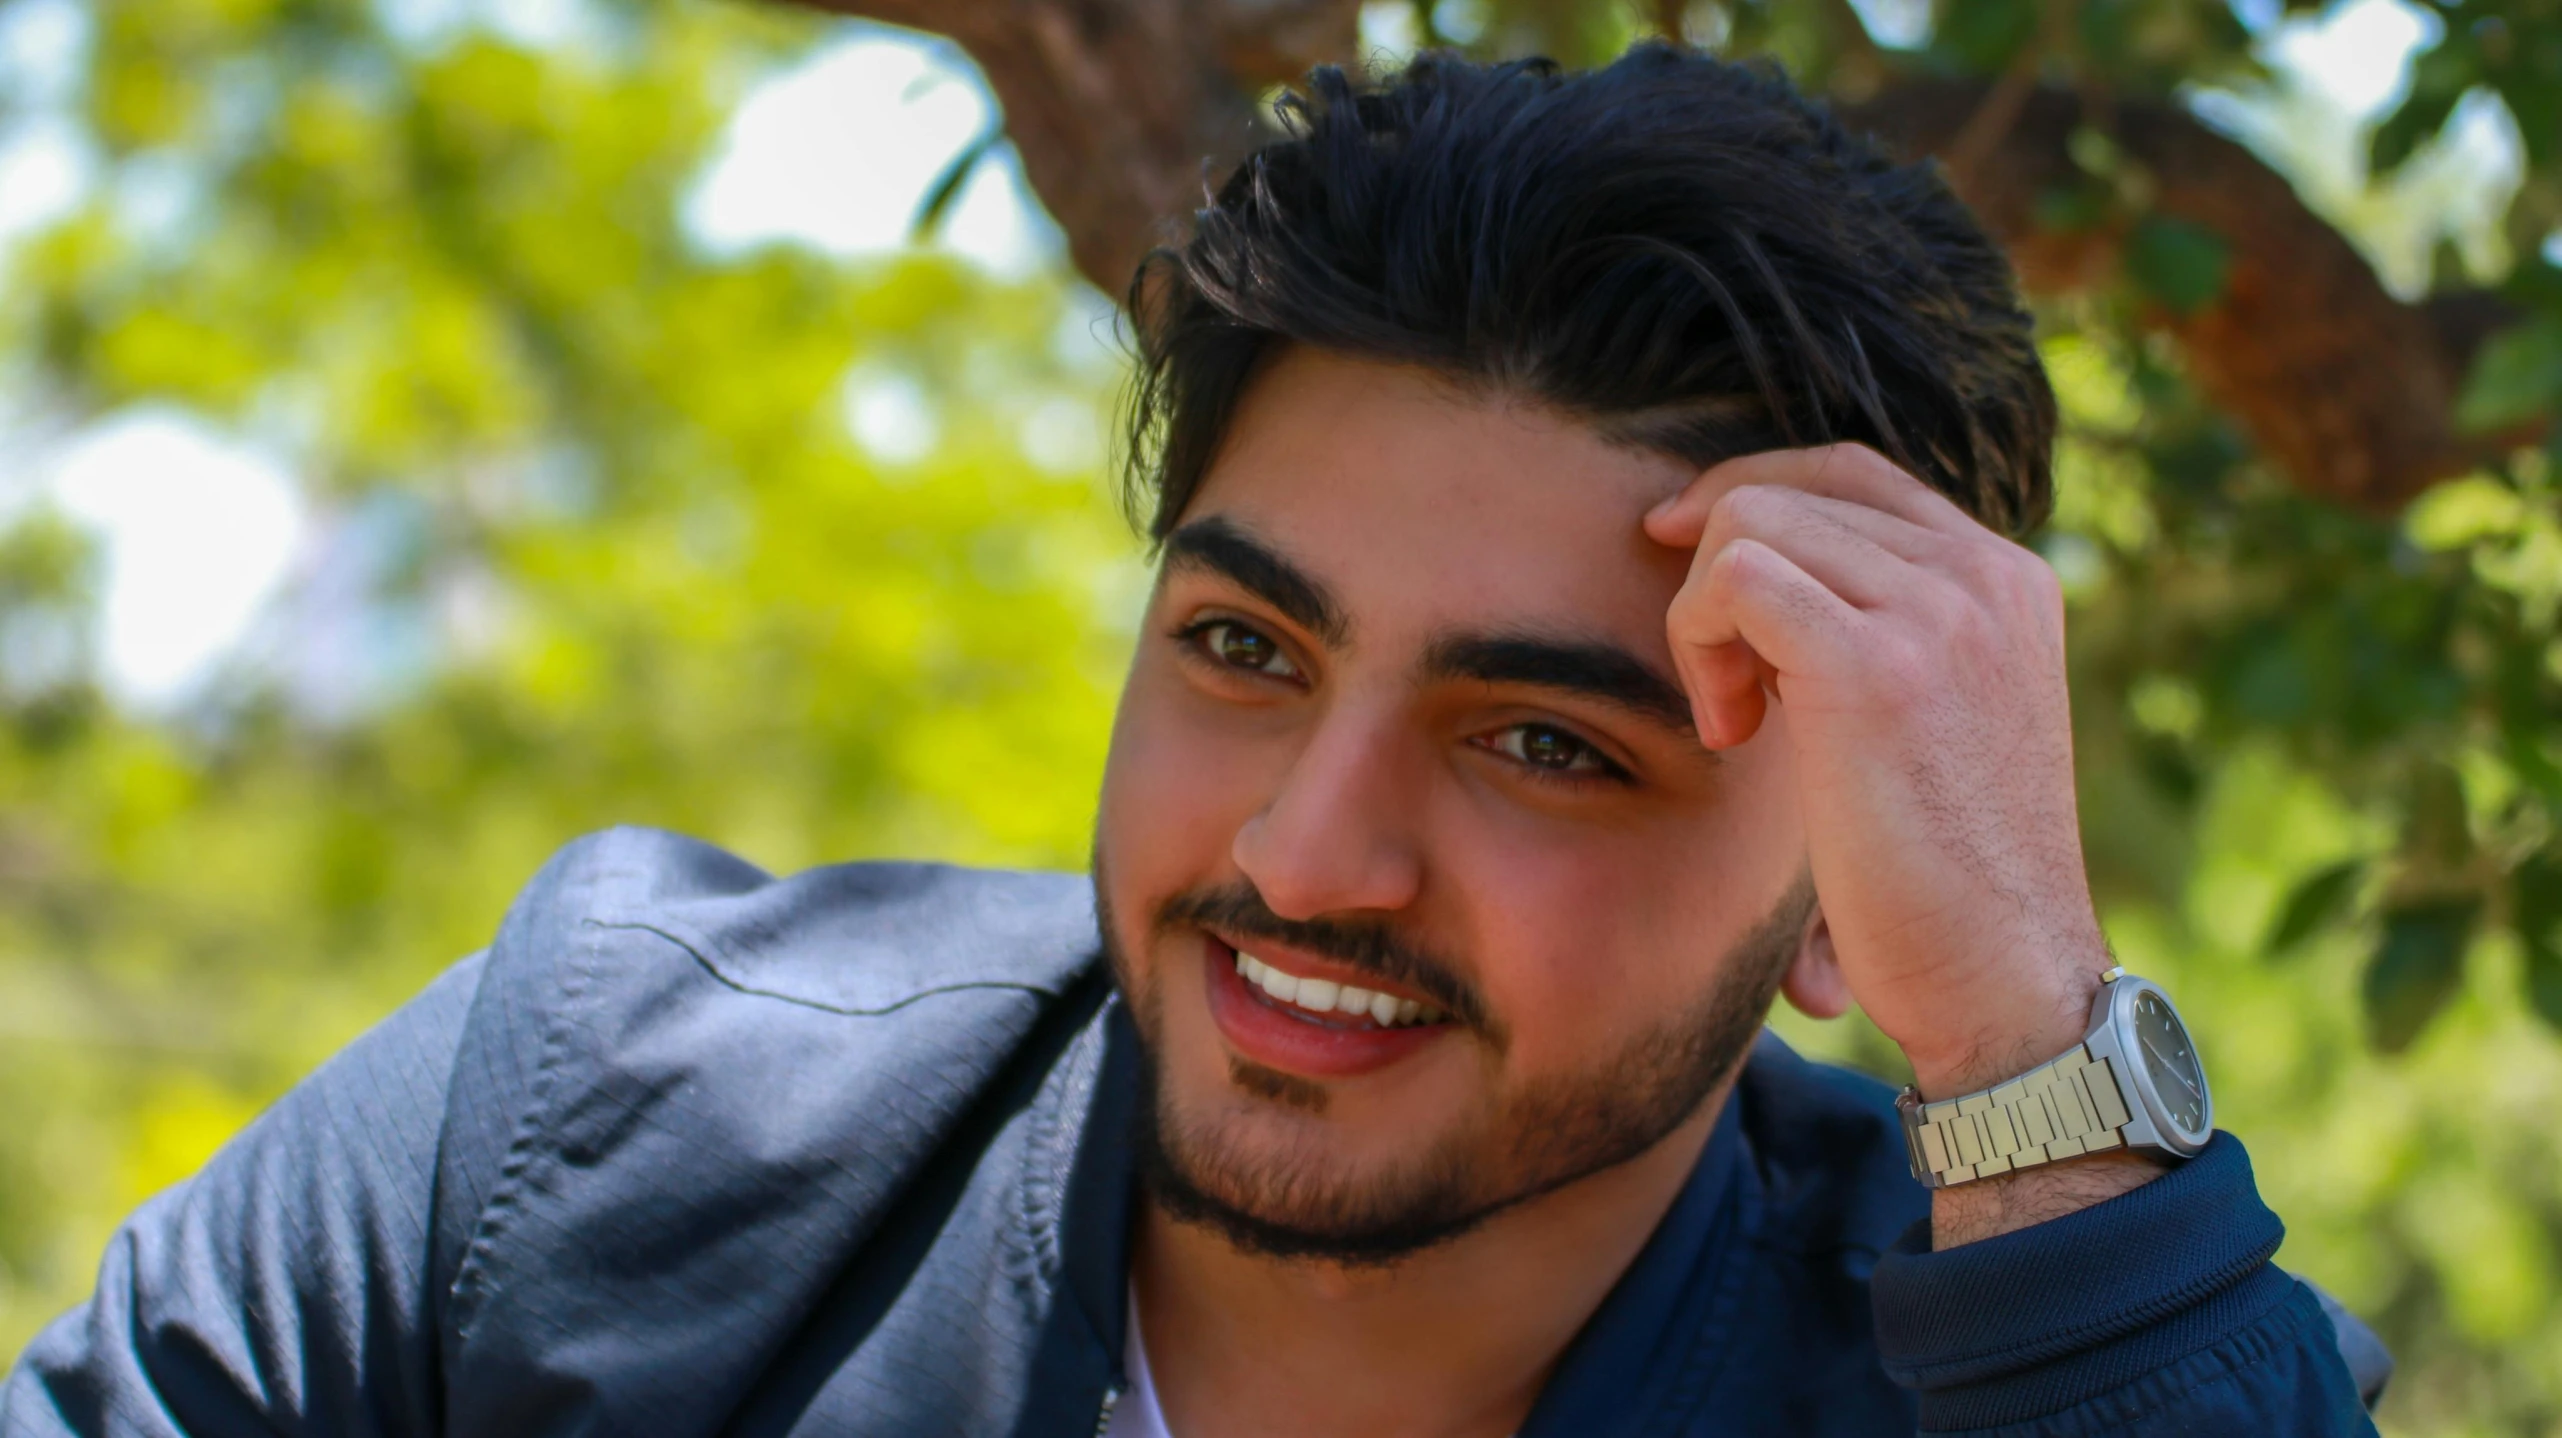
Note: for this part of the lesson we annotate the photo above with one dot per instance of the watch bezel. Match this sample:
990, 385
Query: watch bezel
2113, 1037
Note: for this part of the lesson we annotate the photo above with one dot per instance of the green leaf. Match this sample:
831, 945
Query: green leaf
2416, 967
2438, 828
2516, 377
2544, 980
2317, 904
1982, 35
947, 185
2413, 125
2180, 264
2534, 99
2535, 900
2070, 209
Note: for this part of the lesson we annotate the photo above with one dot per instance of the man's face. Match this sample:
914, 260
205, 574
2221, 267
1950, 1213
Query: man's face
1403, 720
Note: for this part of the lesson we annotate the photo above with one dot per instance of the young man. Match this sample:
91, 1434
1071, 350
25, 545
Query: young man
1584, 615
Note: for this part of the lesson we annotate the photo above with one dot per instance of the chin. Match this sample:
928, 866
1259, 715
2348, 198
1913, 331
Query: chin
1281, 1185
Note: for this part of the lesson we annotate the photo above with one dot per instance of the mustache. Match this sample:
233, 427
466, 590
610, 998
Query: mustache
1372, 948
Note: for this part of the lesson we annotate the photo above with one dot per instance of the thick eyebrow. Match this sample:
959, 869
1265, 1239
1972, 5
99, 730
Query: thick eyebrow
1218, 545
1587, 668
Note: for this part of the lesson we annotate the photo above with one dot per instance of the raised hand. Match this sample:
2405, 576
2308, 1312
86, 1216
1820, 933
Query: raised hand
1919, 658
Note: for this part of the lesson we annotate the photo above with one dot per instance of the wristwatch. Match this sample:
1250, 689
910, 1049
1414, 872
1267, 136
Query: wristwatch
2132, 1082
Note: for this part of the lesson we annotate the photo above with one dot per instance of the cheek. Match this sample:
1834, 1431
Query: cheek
1584, 936
1175, 792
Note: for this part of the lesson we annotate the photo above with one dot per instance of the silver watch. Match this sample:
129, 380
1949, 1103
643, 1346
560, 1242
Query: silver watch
2132, 1082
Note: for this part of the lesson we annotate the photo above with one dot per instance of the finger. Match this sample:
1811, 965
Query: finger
1866, 556
1852, 473
1724, 682
1750, 594
1891, 532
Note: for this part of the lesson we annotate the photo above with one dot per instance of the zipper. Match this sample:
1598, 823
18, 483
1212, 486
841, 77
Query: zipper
1103, 1420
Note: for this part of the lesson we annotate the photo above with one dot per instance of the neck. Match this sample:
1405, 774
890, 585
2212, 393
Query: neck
1455, 1341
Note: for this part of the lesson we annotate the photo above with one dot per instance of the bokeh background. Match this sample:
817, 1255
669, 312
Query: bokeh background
432, 429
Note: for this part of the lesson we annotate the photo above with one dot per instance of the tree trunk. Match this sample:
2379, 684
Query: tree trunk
1123, 110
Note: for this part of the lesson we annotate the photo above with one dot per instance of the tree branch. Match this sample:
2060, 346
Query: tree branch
1122, 109
2348, 390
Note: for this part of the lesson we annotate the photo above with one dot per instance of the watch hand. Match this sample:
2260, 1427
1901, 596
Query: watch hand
2168, 1063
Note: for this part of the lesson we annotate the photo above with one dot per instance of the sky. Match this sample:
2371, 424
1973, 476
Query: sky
202, 532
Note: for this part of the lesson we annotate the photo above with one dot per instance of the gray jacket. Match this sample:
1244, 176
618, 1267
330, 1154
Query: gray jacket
689, 1150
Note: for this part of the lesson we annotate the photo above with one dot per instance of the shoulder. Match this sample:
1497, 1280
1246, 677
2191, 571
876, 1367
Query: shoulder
1829, 1153
852, 938
635, 950
679, 1069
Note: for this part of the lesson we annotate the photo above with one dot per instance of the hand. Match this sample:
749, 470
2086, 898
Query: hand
1919, 659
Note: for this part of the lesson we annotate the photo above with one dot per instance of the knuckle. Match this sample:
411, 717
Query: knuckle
2044, 584
1689, 609
2030, 583
1862, 457
1735, 560
1900, 672
1745, 508
2003, 572
1861, 452
1727, 574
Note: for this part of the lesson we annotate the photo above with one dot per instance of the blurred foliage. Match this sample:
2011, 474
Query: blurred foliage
609, 476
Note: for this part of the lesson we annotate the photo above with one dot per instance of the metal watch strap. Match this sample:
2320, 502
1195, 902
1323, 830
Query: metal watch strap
2066, 1106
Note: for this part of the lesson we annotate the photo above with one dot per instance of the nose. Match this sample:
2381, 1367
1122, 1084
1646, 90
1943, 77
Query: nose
1339, 834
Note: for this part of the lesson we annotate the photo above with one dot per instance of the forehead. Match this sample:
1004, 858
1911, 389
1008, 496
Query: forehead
1424, 506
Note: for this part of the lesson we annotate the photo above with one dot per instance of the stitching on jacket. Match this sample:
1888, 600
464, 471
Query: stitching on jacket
1043, 1177
531, 1140
694, 945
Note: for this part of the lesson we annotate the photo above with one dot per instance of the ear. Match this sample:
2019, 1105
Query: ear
1814, 983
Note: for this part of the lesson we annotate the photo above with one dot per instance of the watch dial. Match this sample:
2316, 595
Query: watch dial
2168, 1060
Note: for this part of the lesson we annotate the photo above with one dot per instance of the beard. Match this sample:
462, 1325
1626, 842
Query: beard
1298, 1202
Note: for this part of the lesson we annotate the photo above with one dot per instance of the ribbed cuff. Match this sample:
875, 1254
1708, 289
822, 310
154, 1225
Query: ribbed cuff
2029, 1323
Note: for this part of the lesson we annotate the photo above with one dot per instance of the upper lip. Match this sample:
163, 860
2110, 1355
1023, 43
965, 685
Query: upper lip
1302, 964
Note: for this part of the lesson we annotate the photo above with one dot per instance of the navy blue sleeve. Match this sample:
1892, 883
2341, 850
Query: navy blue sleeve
284, 1289
2157, 1311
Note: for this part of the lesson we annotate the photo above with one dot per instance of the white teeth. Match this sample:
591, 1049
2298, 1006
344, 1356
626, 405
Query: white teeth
1327, 996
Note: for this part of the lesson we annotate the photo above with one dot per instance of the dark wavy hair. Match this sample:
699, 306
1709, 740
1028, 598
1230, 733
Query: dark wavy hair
1683, 252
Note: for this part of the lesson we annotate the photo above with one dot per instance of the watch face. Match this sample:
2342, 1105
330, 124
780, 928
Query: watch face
2178, 1082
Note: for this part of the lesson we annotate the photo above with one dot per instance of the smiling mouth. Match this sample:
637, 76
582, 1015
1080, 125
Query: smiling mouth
1332, 1004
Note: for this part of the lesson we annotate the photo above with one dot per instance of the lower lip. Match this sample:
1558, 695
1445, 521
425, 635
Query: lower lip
1260, 1030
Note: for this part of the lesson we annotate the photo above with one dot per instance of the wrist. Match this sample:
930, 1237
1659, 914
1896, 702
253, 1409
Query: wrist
2024, 1027
2009, 1202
